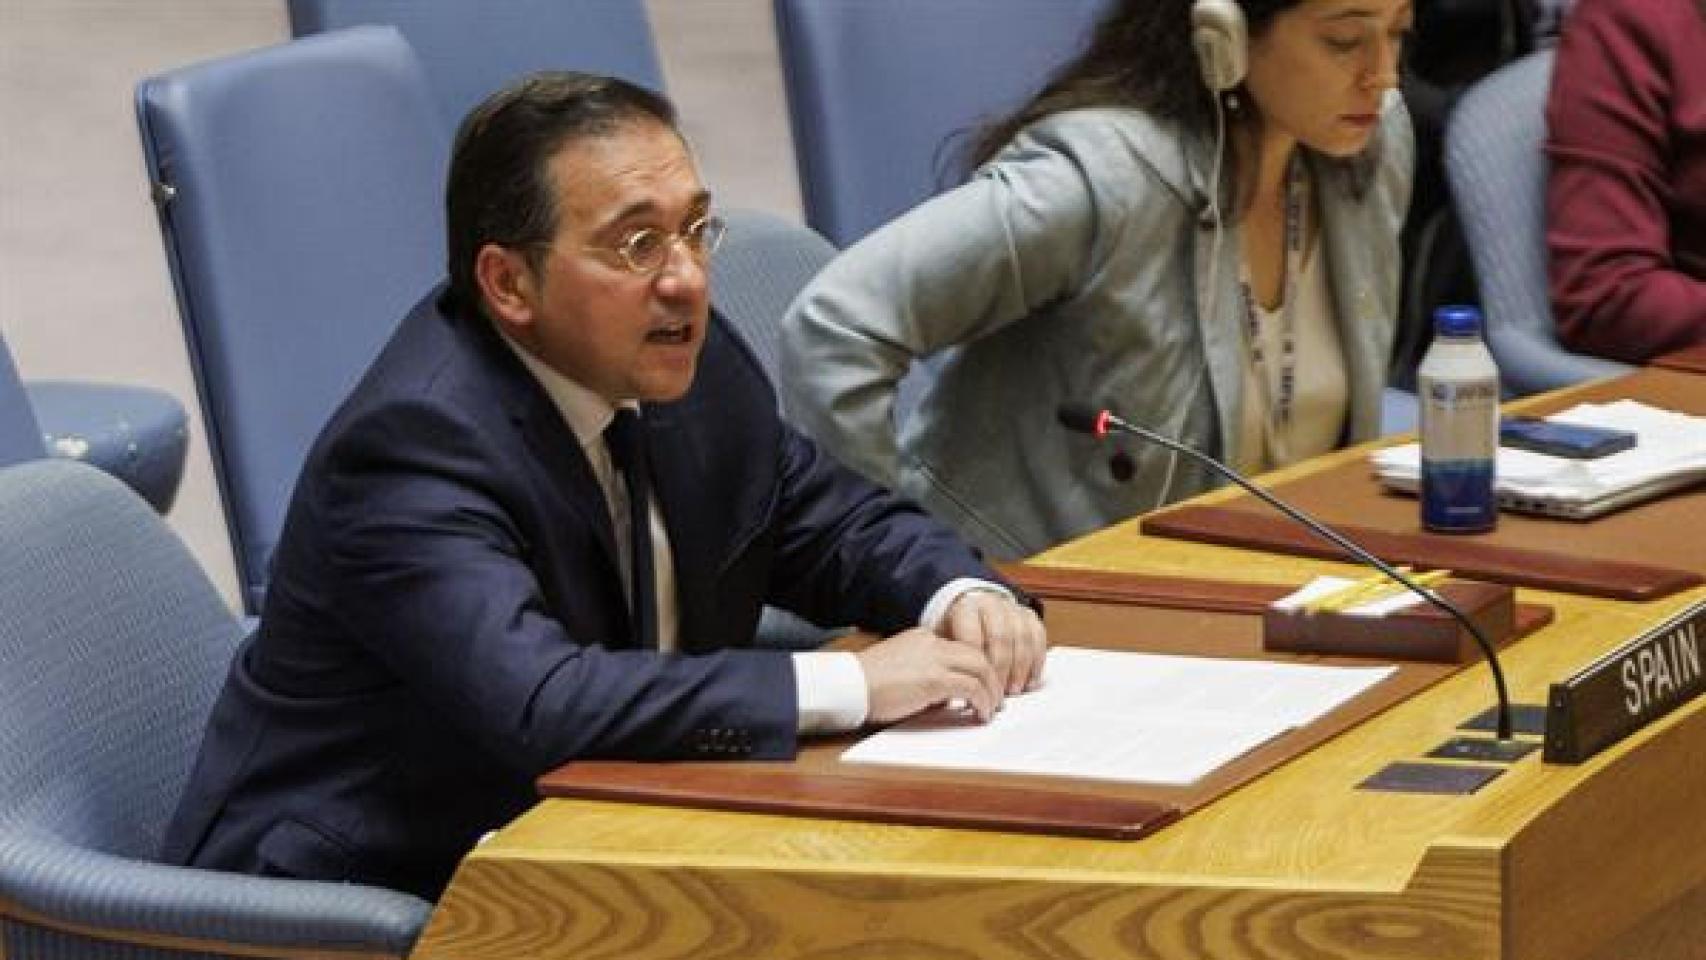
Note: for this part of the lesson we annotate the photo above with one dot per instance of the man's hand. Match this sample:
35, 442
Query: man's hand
1010, 635
916, 670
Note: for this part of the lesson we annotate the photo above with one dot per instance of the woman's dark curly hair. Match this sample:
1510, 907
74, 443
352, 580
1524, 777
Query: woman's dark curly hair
1139, 55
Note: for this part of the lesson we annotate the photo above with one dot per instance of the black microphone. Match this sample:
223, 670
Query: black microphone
1097, 422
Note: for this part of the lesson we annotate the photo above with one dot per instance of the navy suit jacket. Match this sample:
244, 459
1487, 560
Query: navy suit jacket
446, 617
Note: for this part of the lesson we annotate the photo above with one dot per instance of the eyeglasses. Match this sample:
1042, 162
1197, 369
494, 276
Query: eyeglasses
646, 251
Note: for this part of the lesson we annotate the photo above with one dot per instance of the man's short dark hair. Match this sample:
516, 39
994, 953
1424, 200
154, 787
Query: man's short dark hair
499, 189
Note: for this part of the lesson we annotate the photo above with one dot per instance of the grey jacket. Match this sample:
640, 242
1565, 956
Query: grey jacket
1073, 266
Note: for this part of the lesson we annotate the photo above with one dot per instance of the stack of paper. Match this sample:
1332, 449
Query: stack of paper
1670, 454
1145, 718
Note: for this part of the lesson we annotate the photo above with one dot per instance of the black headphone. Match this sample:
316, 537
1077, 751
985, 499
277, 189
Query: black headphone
1221, 42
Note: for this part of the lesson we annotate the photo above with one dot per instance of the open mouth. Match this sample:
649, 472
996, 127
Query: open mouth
672, 335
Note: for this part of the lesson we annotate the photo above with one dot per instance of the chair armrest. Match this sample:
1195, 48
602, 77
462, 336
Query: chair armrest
59, 884
137, 434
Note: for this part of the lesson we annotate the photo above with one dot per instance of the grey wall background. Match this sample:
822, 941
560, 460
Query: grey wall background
83, 287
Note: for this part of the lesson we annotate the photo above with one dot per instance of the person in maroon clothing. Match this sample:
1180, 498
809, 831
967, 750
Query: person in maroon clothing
1626, 199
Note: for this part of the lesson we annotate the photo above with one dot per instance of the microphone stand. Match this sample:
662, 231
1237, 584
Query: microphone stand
1097, 422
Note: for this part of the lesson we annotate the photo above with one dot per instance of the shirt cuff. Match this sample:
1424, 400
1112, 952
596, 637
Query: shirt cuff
937, 609
830, 688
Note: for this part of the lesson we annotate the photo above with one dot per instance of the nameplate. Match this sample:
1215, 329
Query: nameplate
1627, 689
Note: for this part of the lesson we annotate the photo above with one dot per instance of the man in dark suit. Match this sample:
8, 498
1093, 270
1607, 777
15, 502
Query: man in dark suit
542, 526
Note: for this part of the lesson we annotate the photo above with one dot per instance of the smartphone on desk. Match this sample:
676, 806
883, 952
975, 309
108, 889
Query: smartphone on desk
1570, 440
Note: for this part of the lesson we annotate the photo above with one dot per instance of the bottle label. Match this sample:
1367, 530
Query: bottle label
1457, 495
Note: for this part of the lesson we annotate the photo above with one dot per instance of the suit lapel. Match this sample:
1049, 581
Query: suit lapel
547, 441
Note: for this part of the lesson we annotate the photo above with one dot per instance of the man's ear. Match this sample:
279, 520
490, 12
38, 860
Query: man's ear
507, 285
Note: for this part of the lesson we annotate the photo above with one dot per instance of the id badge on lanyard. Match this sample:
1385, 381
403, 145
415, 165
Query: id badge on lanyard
1277, 407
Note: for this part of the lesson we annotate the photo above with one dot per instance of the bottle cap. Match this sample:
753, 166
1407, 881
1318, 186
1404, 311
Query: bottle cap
1457, 321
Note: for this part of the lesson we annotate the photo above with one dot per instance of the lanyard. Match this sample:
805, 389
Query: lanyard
1277, 410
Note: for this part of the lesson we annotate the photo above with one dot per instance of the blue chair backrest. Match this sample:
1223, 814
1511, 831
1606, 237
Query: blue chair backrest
761, 267
299, 190
113, 645
877, 87
470, 48
1496, 165
20, 436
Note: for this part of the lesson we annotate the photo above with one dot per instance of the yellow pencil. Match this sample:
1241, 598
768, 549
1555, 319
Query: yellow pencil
1385, 588
1328, 601
1392, 587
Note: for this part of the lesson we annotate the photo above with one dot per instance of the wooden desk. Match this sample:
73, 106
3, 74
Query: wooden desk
1605, 861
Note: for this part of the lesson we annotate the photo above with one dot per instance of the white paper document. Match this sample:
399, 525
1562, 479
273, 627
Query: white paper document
1137, 717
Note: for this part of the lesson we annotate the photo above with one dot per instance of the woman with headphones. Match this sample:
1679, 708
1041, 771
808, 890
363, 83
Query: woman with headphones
1195, 222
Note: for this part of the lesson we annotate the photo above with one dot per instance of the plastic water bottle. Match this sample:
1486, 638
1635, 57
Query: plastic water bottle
1459, 387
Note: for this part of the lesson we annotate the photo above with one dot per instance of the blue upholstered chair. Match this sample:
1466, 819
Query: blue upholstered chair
137, 434
470, 48
113, 645
300, 193
763, 264
1497, 171
877, 87
20, 437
